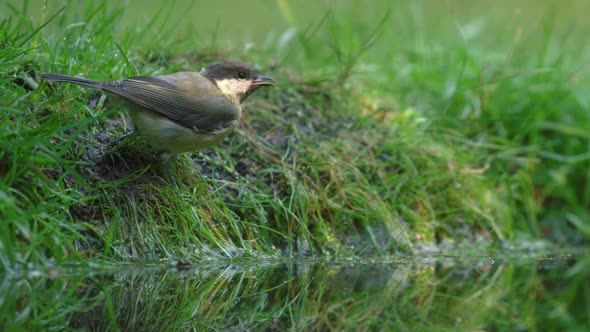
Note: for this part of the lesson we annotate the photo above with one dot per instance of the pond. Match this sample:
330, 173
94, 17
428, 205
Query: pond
517, 292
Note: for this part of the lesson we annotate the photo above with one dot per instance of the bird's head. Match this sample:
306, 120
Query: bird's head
236, 80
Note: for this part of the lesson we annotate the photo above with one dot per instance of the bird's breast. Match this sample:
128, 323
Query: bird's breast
174, 138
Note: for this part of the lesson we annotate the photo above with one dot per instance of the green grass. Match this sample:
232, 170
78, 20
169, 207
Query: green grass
394, 128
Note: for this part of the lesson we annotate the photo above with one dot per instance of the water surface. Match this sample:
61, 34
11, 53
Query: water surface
423, 293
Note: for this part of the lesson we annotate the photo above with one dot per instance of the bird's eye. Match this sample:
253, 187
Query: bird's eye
241, 75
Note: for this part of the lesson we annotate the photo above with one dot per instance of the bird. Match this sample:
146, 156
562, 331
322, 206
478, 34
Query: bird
183, 111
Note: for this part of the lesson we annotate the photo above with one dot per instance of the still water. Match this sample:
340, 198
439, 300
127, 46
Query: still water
417, 293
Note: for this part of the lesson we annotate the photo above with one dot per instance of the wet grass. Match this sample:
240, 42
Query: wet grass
394, 129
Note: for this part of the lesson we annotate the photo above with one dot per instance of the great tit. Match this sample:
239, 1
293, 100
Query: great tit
184, 111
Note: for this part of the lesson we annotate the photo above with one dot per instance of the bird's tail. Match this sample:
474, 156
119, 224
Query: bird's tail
75, 80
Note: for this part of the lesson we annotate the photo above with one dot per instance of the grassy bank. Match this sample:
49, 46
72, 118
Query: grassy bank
393, 129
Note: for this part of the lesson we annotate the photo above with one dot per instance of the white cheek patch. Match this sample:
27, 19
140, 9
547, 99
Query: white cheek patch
233, 88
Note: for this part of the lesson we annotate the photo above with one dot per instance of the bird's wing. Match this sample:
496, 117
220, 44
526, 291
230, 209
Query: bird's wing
187, 98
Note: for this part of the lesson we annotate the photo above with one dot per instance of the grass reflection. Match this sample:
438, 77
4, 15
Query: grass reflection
425, 294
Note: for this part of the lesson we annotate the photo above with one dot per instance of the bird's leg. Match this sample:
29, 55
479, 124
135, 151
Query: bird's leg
164, 158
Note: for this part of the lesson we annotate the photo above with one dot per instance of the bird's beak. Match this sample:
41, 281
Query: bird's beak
263, 80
